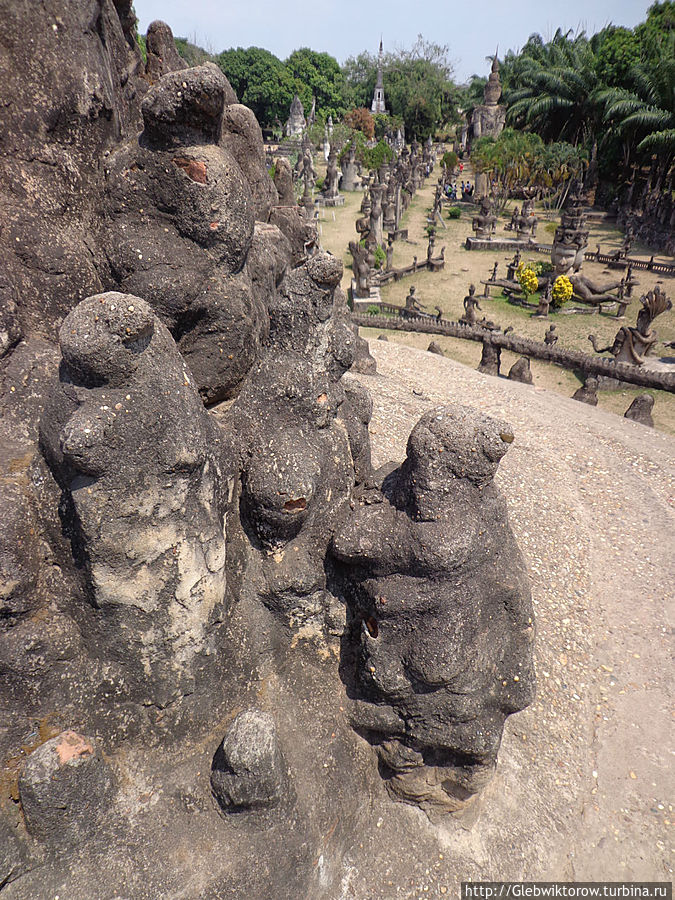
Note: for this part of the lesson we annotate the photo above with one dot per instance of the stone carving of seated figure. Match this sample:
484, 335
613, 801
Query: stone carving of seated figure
485, 223
439, 650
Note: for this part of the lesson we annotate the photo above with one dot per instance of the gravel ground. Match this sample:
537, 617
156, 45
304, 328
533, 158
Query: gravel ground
584, 788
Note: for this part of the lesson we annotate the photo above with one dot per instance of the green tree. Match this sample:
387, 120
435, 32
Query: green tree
517, 160
360, 74
554, 89
644, 114
261, 82
318, 75
418, 86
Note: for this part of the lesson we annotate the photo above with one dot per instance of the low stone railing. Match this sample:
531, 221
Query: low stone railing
568, 359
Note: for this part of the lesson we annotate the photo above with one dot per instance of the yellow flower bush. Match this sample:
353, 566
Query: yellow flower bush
527, 278
562, 290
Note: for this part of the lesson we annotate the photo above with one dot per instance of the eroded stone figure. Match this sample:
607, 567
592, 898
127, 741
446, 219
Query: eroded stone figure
137, 457
178, 224
632, 345
485, 223
441, 625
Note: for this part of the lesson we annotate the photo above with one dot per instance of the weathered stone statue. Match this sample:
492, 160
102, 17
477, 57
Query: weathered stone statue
296, 124
412, 304
511, 226
471, 304
489, 118
588, 392
414, 661
632, 345
376, 214
390, 255
360, 268
525, 224
640, 410
185, 575
144, 492
349, 171
520, 371
485, 223
513, 265
550, 337
544, 302
161, 51
330, 188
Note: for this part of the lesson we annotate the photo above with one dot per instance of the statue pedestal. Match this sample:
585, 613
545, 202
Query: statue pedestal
330, 201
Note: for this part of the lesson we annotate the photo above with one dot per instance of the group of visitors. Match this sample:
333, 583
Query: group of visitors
463, 192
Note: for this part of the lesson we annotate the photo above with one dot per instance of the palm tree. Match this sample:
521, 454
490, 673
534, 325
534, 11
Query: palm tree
554, 89
645, 116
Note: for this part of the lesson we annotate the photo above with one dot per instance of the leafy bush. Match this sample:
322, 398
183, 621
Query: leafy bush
449, 160
562, 291
320, 181
380, 257
527, 278
454, 212
373, 310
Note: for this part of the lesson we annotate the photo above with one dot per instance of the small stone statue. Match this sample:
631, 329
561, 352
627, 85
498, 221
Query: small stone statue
544, 302
471, 304
588, 392
430, 247
550, 338
390, 255
493, 277
640, 410
485, 223
412, 304
513, 265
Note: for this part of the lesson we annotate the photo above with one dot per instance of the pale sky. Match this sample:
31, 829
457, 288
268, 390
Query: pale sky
472, 31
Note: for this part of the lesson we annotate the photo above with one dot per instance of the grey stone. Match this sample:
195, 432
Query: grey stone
137, 457
588, 392
161, 50
65, 789
434, 583
640, 410
490, 358
520, 371
248, 770
435, 347
12, 852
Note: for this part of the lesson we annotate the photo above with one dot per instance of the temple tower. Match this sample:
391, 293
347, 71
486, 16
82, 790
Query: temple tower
378, 104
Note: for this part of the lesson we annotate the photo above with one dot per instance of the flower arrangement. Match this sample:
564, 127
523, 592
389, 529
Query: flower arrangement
562, 290
527, 278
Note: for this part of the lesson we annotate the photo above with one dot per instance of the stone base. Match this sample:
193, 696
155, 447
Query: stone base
330, 201
473, 243
361, 301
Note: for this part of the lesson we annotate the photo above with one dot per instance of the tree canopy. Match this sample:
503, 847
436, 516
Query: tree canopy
261, 81
418, 86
